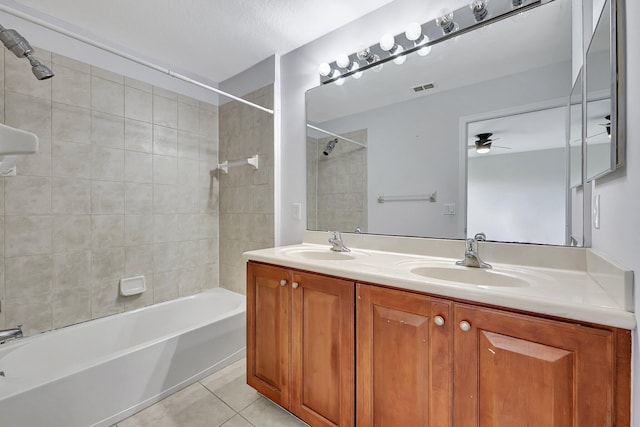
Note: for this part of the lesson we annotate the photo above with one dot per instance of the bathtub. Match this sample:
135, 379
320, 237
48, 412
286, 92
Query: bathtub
99, 372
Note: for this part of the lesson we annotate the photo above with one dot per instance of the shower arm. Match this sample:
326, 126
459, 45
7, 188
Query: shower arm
102, 46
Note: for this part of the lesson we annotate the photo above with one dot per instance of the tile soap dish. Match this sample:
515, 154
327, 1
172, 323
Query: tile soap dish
132, 286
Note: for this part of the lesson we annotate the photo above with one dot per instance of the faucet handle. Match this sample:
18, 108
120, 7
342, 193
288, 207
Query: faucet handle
480, 237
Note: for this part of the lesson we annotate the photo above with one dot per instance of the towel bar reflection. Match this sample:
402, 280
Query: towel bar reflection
253, 161
419, 198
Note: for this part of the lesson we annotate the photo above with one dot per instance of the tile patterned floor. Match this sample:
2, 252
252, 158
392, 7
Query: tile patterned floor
221, 399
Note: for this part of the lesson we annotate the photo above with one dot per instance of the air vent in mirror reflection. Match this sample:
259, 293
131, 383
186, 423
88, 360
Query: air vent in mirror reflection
427, 86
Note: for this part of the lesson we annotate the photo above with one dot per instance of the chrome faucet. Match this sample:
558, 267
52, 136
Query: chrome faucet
336, 242
10, 334
471, 257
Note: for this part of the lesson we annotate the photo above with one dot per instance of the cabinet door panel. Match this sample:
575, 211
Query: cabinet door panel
404, 359
323, 350
513, 369
268, 331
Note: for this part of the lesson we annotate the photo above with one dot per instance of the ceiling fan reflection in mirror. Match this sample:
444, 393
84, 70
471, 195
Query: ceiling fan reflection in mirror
484, 143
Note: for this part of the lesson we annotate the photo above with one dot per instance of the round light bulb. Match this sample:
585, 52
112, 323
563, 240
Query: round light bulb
413, 31
424, 51
340, 81
387, 42
324, 69
343, 61
400, 59
363, 53
357, 74
483, 150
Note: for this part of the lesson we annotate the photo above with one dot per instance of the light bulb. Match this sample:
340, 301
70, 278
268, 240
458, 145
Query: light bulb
340, 81
363, 54
424, 51
445, 21
324, 69
400, 59
357, 74
479, 9
483, 150
413, 31
387, 42
343, 61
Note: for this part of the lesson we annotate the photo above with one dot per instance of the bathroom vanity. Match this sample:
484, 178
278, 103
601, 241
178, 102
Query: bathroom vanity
369, 338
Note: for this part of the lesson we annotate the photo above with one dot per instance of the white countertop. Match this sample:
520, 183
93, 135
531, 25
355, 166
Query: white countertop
564, 293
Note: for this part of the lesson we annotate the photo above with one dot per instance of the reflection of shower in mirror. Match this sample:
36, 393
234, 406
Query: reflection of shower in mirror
330, 146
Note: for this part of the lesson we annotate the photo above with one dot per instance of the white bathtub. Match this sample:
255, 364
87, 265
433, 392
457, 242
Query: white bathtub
99, 372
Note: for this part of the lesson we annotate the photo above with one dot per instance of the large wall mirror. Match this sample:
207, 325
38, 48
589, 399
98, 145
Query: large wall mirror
472, 137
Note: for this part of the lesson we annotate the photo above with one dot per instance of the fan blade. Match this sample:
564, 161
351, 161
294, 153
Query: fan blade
500, 146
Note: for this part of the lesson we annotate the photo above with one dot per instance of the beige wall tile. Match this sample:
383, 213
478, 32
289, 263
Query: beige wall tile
71, 306
188, 283
71, 233
138, 167
27, 195
138, 198
72, 270
107, 231
165, 141
165, 256
107, 96
138, 258
28, 235
188, 199
70, 123
106, 299
107, 197
107, 75
34, 315
39, 163
67, 62
107, 164
70, 160
165, 111
28, 113
165, 228
138, 104
70, 196
188, 145
165, 93
165, 286
107, 130
138, 84
188, 226
165, 170
28, 277
107, 265
71, 87
188, 117
138, 230
138, 136
189, 254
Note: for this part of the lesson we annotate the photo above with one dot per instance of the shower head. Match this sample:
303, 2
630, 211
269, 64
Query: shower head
330, 146
22, 49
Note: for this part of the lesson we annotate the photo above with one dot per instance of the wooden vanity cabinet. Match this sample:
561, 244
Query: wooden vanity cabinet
300, 342
518, 370
404, 353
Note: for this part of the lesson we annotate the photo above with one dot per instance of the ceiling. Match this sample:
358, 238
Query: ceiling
215, 39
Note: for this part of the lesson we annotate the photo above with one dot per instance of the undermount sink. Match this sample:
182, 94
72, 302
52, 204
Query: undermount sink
472, 276
324, 254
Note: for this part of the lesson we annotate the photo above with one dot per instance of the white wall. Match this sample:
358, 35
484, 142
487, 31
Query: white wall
256, 77
619, 233
518, 197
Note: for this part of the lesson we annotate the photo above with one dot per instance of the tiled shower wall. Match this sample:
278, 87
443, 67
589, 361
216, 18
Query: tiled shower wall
120, 187
246, 194
337, 192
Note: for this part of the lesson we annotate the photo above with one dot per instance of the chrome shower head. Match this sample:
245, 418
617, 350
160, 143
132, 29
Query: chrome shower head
22, 49
41, 71
330, 146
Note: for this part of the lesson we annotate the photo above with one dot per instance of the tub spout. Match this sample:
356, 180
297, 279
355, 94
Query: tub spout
10, 334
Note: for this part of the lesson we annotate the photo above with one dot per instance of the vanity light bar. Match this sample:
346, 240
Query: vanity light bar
396, 48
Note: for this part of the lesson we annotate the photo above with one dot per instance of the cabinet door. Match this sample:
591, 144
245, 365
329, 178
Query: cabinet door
404, 359
322, 326
517, 370
268, 333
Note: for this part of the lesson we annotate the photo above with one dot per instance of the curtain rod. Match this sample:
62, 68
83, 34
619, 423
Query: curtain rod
125, 55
